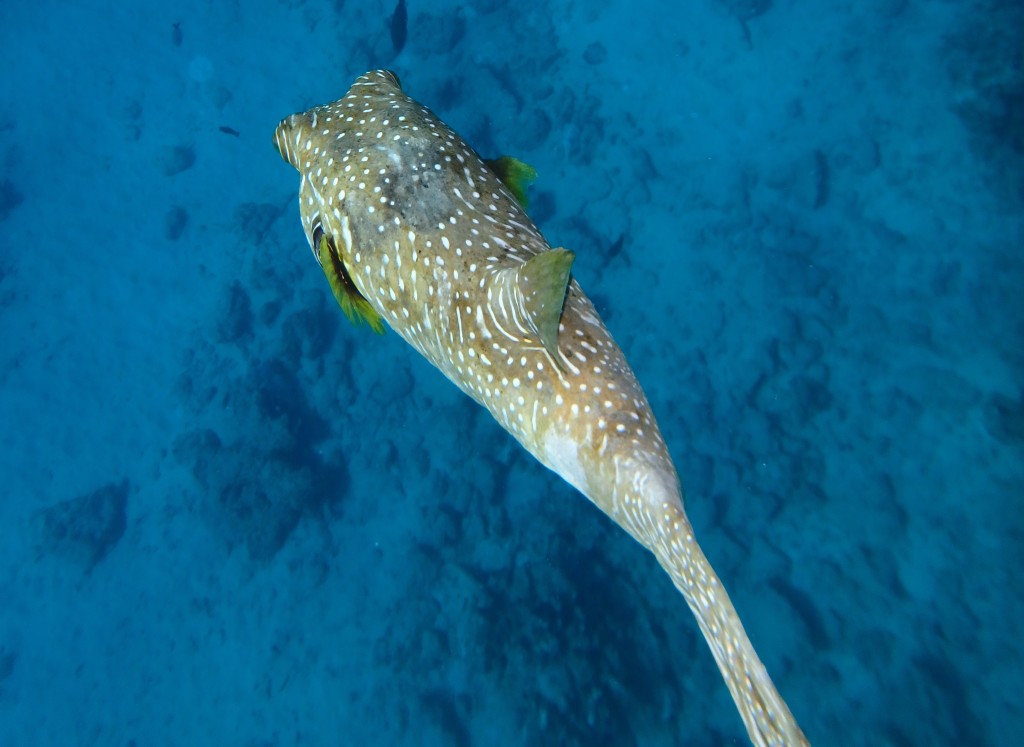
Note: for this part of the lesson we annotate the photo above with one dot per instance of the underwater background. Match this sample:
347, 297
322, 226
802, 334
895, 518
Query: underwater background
231, 518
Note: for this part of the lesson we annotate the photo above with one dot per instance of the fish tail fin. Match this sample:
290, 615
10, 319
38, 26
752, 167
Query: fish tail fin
765, 714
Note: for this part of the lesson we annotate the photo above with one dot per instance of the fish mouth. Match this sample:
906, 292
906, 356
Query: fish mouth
287, 137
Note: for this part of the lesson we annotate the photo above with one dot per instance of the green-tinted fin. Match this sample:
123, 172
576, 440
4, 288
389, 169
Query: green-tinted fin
356, 308
515, 175
543, 281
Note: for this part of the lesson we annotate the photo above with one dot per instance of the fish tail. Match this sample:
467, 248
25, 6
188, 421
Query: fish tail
765, 714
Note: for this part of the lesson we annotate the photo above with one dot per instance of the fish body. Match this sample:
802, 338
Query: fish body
406, 218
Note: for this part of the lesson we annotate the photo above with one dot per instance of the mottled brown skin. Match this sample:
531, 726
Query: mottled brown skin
439, 247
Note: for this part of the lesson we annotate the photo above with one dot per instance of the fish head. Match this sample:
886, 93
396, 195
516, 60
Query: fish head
370, 160
344, 162
383, 180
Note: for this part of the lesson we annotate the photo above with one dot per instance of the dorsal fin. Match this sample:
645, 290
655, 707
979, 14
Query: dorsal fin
543, 281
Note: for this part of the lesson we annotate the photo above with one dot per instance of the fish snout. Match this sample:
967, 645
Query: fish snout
287, 138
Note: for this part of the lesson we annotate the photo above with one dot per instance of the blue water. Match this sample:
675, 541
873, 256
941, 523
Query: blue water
231, 518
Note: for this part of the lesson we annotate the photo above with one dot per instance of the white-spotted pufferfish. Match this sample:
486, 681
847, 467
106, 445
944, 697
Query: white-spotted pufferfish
413, 229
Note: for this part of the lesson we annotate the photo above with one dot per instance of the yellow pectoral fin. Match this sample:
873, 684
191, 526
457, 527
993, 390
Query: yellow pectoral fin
356, 308
515, 175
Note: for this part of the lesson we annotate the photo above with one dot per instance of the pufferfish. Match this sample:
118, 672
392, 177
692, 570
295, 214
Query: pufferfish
413, 229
